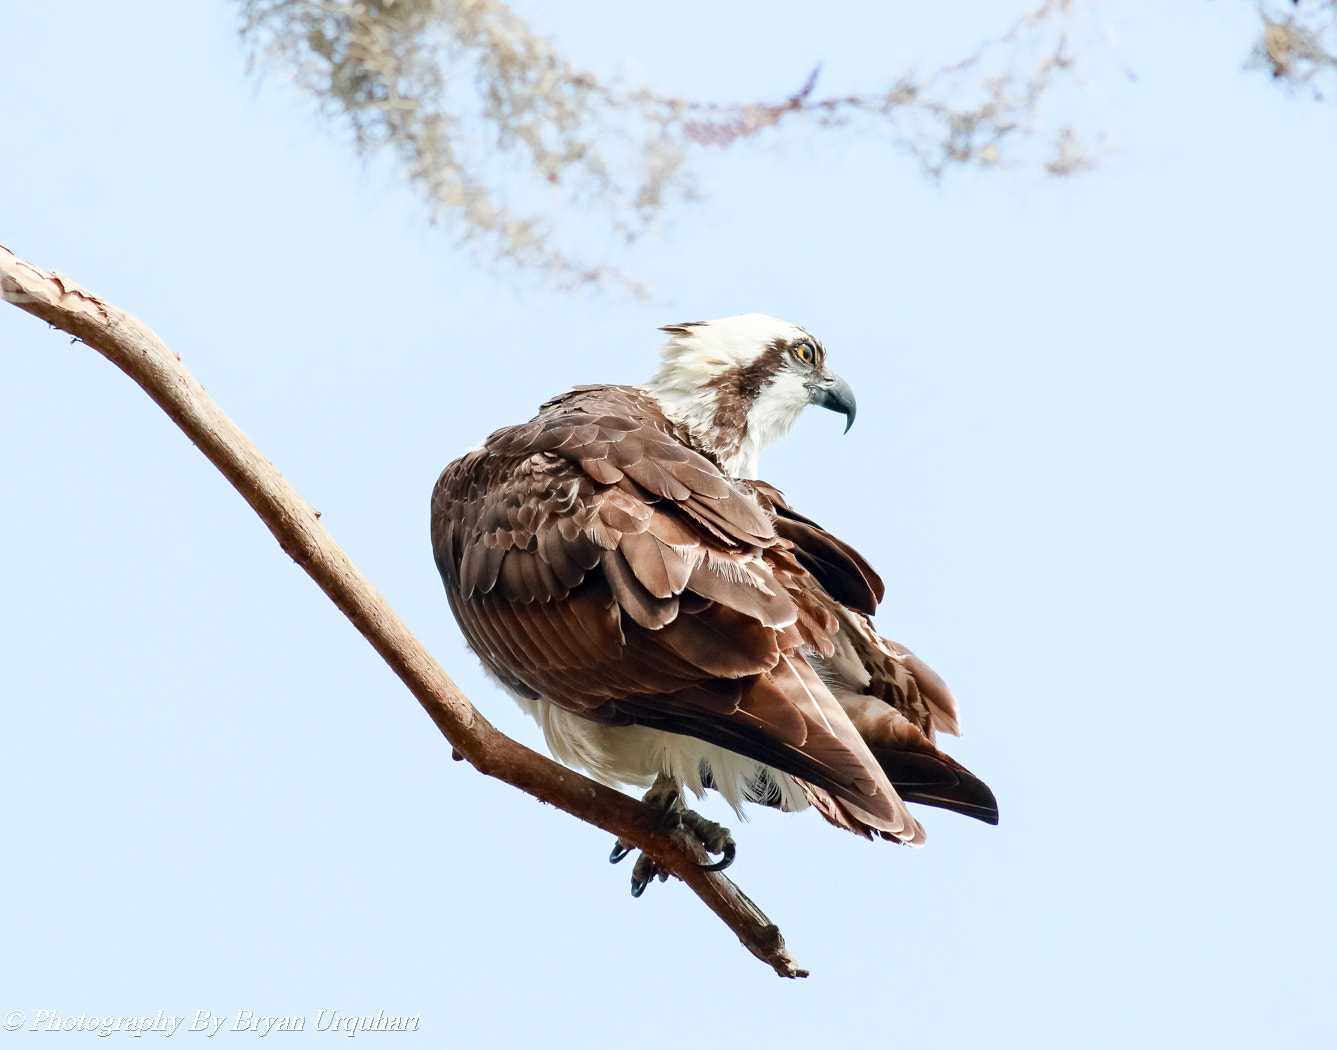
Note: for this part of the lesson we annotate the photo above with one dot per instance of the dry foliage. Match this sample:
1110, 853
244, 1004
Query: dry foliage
501, 133
1299, 43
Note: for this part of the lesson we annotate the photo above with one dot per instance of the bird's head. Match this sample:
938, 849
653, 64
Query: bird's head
739, 383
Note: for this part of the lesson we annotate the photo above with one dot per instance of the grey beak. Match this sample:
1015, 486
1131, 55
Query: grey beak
834, 393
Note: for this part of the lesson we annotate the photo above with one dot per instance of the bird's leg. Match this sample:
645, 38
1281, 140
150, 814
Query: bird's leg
665, 797
662, 796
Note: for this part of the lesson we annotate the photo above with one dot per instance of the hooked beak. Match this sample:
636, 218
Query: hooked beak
834, 393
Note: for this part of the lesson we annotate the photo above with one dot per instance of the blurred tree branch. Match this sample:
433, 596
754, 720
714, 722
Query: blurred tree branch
132, 346
507, 140
502, 134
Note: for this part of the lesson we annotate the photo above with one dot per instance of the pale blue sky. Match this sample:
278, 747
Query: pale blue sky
1093, 460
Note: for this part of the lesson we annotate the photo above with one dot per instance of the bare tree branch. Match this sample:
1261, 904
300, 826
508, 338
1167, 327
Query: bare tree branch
131, 346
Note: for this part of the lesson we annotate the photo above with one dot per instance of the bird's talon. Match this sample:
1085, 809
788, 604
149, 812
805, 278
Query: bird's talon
665, 796
729, 851
643, 874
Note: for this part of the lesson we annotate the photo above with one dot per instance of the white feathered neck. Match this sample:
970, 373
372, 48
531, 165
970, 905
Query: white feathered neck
730, 383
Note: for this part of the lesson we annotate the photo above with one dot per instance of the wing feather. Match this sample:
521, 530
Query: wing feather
560, 558
633, 597
774, 609
661, 570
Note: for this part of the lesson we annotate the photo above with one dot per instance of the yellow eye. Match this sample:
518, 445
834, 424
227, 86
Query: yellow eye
804, 352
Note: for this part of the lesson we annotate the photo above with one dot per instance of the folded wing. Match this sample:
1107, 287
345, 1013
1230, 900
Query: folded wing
595, 561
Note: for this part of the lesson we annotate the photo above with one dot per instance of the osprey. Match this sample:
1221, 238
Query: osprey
670, 622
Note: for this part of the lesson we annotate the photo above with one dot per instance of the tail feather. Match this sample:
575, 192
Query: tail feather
917, 770
859, 797
938, 780
845, 814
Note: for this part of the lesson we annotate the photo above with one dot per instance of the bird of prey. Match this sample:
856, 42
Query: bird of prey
670, 621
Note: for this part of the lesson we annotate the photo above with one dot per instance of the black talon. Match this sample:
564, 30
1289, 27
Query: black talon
620, 853
724, 861
666, 798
